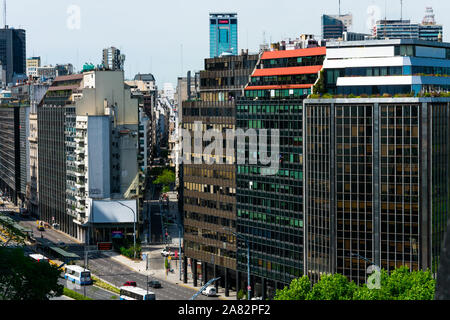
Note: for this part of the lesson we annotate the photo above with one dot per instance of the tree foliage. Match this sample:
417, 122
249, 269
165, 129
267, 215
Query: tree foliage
401, 284
166, 178
21, 278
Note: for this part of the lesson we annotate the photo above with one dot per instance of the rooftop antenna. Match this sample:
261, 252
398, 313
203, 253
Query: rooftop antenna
385, 17
4, 12
401, 9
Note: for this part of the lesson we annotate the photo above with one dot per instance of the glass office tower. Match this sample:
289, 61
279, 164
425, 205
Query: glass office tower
223, 34
376, 184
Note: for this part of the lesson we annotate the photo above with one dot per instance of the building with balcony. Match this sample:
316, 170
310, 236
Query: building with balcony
269, 205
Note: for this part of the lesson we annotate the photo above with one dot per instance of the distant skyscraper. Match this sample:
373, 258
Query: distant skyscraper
112, 59
333, 27
223, 34
12, 51
404, 29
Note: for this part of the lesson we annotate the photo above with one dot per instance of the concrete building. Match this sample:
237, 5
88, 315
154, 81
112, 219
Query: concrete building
113, 59
55, 113
209, 192
37, 92
32, 65
104, 164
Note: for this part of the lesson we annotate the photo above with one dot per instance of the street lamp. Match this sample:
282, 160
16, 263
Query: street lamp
134, 226
363, 258
239, 236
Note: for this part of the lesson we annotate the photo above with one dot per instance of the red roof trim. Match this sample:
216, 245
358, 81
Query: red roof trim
294, 53
286, 71
285, 86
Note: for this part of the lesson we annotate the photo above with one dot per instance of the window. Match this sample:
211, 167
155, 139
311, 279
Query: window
223, 35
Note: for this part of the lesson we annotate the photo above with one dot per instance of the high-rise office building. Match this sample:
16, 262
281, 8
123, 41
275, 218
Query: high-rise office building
223, 34
113, 59
403, 29
13, 52
270, 207
376, 191
376, 166
333, 27
209, 191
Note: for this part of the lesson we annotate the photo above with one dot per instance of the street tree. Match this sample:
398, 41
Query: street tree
21, 278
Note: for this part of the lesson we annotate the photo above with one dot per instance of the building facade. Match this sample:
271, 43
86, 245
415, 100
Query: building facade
376, 172
332, 27
55, 113
113, 59
269, 205
209, 191
223, 34
377, 67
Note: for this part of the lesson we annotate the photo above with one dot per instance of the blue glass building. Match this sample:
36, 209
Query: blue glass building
223, 34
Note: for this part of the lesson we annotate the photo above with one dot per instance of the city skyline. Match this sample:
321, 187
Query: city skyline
164, 54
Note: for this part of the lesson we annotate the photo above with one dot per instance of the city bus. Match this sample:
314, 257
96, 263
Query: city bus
39, 258
134, 293
78, 275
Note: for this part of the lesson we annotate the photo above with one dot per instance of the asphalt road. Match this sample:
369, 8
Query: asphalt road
110, 270
117, 274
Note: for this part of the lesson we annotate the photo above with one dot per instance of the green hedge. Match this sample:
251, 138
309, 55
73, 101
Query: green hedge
74, 295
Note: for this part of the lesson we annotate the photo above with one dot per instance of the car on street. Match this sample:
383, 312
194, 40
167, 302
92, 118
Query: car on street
209, 292
130, 284
154, 284
166, 253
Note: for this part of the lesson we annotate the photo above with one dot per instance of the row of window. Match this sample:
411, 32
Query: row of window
279, 93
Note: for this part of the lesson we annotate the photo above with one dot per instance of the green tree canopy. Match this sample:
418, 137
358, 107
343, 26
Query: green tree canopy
297, 290
401, 284
166, 178
21, 278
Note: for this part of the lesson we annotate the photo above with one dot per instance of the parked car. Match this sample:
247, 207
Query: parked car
154, 284
130, 284
209, 292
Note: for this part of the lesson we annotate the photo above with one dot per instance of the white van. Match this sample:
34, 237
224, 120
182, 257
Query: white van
210, 292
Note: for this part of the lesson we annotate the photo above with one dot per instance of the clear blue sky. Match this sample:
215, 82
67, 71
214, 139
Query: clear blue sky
152, 33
